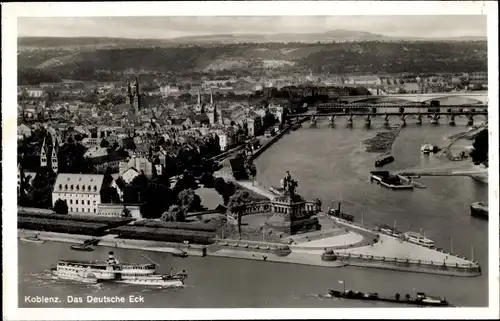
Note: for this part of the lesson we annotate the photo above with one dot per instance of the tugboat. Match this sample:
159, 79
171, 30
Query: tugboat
339, 214
115, 272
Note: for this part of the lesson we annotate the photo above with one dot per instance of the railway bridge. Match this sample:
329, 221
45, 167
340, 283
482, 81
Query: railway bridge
418, 114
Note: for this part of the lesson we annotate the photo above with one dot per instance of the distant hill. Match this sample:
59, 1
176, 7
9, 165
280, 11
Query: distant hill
339, 35
248, 58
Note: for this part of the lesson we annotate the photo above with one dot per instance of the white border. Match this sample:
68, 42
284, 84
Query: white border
10, 13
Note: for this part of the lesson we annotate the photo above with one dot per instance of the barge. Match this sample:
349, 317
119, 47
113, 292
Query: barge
420, 300
384, 160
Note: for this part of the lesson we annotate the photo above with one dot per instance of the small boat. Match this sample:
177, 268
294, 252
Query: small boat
418, 239
421, 299
389, 230
427, 148
82, 247
32, 239
180, 253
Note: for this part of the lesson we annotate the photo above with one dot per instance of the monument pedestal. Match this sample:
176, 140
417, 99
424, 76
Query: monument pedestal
290, 215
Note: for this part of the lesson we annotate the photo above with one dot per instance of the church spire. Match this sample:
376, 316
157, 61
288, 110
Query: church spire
43, 154
211, 98
199, 97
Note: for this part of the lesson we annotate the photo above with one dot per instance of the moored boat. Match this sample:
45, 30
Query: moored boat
32, 239
115, 272
419, 239
82, 247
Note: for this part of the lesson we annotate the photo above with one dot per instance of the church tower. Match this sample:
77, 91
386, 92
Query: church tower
43, 155
212, 111
129, 99
198, 106
137, 95
53, 157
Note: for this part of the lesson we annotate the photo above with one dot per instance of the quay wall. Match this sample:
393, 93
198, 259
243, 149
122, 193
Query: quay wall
273, 140
396, 264
111, 241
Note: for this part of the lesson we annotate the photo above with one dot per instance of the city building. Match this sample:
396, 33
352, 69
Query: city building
117, 210
134, 97
34, 92
82, 192
141, 164
369, 80
479, 78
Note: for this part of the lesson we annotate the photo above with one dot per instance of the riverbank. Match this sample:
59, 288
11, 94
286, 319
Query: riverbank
467, 135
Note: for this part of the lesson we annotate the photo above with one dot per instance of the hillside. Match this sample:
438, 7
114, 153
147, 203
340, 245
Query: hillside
338, 35
348, 57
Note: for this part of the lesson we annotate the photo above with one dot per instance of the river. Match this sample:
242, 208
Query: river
329, 163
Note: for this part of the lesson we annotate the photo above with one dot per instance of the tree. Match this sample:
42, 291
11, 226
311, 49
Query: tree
479, 154
104, 143
237, 204
61, 207
41, 193
189, 200
175, 213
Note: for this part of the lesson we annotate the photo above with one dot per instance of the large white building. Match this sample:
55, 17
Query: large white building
82, 192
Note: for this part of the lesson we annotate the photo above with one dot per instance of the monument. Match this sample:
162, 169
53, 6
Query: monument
291, 213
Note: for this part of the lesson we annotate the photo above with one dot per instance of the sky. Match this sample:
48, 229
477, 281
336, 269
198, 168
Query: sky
172, 27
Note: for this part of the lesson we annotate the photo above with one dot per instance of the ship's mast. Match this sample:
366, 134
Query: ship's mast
147, 258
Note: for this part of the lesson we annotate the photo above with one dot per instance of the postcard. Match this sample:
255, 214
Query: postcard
194, 160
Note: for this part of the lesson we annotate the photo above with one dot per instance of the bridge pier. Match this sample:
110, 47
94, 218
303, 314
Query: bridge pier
403, 119
435, 119
350, 120
452, 120
368, 120
331, 121
386, 120
470, 120
419, 119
